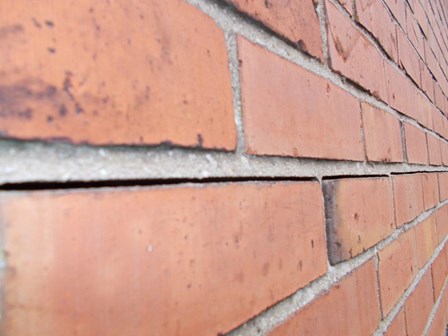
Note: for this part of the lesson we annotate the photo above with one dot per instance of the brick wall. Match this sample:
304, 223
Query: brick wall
211, 167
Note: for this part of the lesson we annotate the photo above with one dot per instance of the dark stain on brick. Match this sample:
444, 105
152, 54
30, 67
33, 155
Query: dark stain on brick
200, 140
62, 110
51, 50
49, 23
6, 31
36, 23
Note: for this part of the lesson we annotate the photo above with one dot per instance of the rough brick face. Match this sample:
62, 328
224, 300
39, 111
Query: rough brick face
146, 76
359, 213
350, 308
398, 263
416, 147
426, 239
408, 197
281, 117
430, 187
167, 256
440, 271
382, 134
294, 19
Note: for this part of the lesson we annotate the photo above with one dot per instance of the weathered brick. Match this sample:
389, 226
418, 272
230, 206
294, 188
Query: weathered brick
382, 135
290, 111
295, 20
398, 263
408, 197
430, 187
414, 33
397, 9
437, 121
348, 5
438, 325
443, 185
359, 213
439, 269
442, 223
398, 325
418, 306
408, 58
416, 147
153, 73
162, 261
349, 309
427, 82
426, 239
374, 16
352, 54
435, 156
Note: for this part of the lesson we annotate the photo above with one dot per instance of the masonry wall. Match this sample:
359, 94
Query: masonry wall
210, 167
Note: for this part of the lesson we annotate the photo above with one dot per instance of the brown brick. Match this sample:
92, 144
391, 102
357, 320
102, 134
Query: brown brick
442, 223
120, 72
296, 20
197, 259
352, 54
439, 269
382, 134
289, 111
426, 239
359, 213
430, 187
416, 147
443, 185
418, 306
408, 197
398, 263
374, 16
398, 325
349, 309
435, 157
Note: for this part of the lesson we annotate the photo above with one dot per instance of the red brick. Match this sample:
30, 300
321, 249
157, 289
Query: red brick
398, 263
426, 239
348, 5
416, 147
442, 223
374, 16
427, 81
418, 306
439, 269
398, 325
397, 9
437, 121
197, 259
359, 213
349, 309
295, 20
438, 325
153, 73
414, 33
420, 16
408, 58
443, 185
352, 54
435, 157
444, 152
423, 107
408, 197
382, 135
282, 115
430, 187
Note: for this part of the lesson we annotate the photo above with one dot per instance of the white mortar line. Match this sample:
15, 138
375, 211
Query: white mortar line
435, 308
276, 315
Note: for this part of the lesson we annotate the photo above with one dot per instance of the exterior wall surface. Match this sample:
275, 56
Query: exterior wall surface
211, 167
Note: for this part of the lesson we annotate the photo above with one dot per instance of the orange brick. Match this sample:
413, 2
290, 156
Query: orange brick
283, 115
157, 261
408, 197
374, 16
359, 213
443, 185
438, 325
430, 187
382, 134
418, 306
352, 54
398, 263
426, 239
120, 72
439, 269
416, 147
442, 223
398, 325
435, 157
295, 20
349, 309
